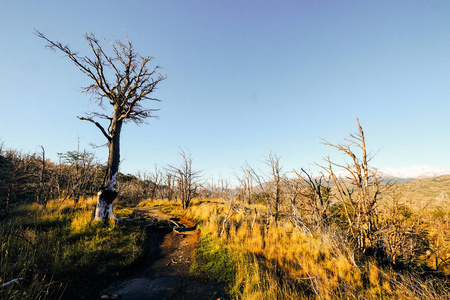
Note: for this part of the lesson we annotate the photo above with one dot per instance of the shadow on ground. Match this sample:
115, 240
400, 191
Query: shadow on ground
164, 274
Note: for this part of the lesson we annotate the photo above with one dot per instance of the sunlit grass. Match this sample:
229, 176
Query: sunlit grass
59, 250
281, 261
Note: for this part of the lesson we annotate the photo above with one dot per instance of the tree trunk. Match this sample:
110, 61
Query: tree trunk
106, 196
114, 152
41, 193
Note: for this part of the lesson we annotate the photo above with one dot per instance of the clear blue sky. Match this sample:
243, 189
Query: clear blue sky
242, 77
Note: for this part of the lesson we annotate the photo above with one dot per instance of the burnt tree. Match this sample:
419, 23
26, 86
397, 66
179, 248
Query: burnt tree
130, 84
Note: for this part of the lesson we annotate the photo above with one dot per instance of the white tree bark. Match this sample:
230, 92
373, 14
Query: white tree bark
105, 198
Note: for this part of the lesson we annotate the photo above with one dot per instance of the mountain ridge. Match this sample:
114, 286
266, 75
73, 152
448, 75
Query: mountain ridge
413, 172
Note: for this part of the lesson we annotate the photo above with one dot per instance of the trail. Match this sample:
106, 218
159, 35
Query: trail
165, 272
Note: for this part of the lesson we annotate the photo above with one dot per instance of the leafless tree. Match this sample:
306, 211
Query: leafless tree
155, 182
293, 191
277, 177
4, 179
135, 189
314, 198
42, 196
81, 173
224, 189
21, 177
358, 189
212, 190
186, 178
269, 186
229, 199
169, 185
131, 84
246, 183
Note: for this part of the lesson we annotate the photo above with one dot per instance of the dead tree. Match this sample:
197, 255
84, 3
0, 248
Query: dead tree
169, 185
226, 195
131, 84
358, 189
81, 172
156, 179
186, 178
225, 189
20, 177
315, 197
42, 196
276, 176
246, 184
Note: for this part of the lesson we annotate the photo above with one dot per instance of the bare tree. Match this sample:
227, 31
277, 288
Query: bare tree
309, 198
187, 179
229, 199
270, 185
21, 177
155, 178
358, 190
277, 177
212, 189
169, 185
81, 173
42, 196
5, 165
225, 191
130, 85
293, 191
246, 183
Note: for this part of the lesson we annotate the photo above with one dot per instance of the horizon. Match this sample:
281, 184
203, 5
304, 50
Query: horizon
243, 79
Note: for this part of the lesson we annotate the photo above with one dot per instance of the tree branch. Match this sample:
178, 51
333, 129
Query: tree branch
133, 79
108, 137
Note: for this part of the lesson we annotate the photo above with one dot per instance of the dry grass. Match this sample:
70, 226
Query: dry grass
429, 191
285, 262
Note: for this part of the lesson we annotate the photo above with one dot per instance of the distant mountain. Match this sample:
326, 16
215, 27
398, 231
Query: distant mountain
414, 172
429, 191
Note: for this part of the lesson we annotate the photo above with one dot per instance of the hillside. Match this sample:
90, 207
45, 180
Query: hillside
429, 191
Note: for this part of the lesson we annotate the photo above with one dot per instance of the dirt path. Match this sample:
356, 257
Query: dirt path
165, 272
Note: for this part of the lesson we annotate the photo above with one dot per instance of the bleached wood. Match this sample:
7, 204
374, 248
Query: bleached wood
11, 282
105, 198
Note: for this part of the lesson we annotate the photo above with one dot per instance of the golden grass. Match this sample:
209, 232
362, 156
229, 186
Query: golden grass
427, 191
281, 261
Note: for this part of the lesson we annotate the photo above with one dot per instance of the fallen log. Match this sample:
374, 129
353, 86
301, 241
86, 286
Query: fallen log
185, 231
173, 222
14, 281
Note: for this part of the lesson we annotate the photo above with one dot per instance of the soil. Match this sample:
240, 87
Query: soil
164, 274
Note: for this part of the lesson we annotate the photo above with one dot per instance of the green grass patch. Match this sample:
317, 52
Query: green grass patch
213, 262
